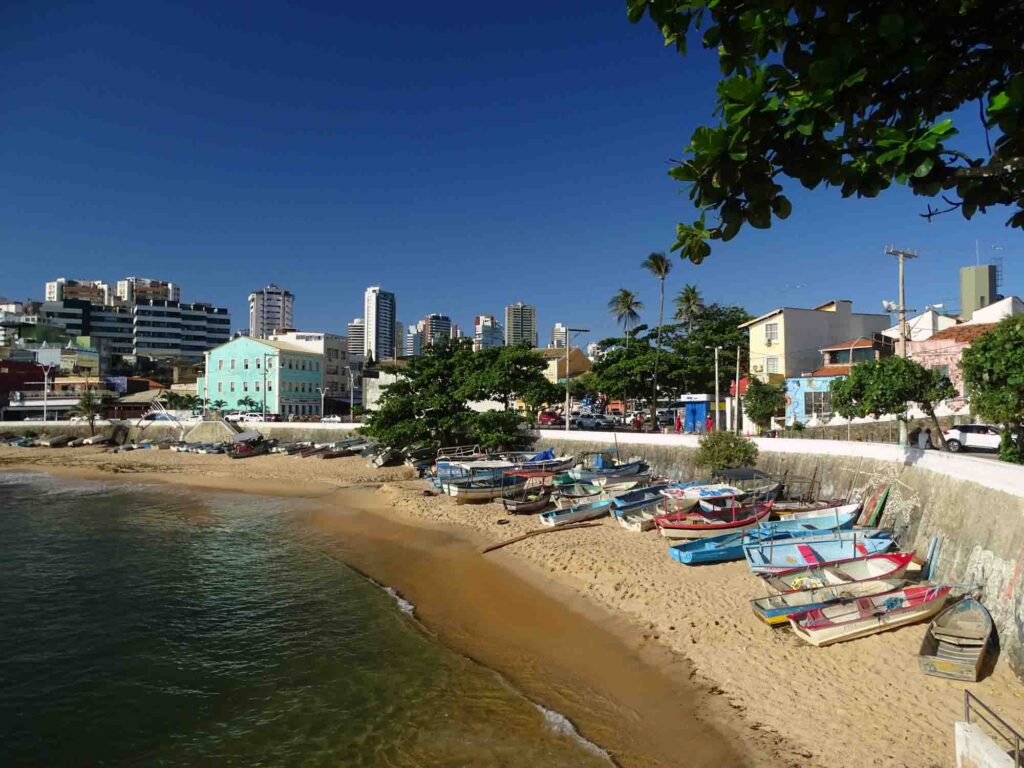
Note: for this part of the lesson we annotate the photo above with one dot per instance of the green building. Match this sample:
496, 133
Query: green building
259, 375
978, 287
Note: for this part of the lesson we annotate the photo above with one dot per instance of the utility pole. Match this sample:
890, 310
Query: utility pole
323, 393
46, 387
716, 384
568, 343
902, 255
737, 398
351, 393
265, 358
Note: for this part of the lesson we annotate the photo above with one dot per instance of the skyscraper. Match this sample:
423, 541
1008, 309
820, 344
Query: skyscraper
131, 290
435, 328
379, 310
356, 339
399, 335
413, 342
487, 332
270, 309
520, 324
559, 336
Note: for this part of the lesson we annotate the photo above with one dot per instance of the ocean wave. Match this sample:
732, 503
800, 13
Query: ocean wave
403, 605
559, 723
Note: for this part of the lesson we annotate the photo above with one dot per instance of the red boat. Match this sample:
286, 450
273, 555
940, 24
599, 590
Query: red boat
699, 525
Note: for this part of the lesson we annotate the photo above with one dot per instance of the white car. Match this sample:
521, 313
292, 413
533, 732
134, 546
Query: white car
972, 437
331, 420
235, 416
248, 417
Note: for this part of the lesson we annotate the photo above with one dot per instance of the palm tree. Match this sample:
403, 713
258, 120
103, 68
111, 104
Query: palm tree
688, 305
625, 307
659, 266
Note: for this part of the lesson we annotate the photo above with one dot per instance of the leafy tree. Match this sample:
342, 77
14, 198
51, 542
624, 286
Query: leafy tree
217, 405
659, 266
505, 374
993, 369
688, 304
764, 401
888, 386
715, 325
249, 404
89, 406
725, 450
851, 95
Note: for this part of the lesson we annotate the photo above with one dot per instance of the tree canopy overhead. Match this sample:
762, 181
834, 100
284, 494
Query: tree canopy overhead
854, 94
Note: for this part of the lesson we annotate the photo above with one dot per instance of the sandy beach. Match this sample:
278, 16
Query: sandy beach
771, 699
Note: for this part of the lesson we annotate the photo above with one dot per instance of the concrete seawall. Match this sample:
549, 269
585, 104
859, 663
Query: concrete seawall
975, 506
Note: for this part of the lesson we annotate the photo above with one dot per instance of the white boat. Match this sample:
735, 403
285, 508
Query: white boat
577, 514
637, 520
868, 615
683, 498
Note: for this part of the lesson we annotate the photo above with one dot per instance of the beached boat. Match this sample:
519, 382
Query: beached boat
567, 495
744, 496
888, 565
868, 615
772, 556
729, 546
699, 525
684, 497
635, 510
589, 511
639, 498
956, 642
631, 468
785, 508
531, 495
841, 518
777, 610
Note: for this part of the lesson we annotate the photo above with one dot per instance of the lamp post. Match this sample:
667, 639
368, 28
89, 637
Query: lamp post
323, 393
568, 344
46, 387
351, 393
716, 384
266, 356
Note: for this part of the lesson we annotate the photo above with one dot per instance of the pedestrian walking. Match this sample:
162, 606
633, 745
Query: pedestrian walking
679, 424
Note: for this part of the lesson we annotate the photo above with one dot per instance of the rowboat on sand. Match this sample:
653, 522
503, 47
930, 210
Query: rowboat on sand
868, 615
699, 525
889, 565
530, 496
956, 642
579, 513
772, 556
777, 610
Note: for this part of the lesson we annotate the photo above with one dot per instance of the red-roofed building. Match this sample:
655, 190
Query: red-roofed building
943, 350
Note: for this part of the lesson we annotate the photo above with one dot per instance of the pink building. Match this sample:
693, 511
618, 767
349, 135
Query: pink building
943, 350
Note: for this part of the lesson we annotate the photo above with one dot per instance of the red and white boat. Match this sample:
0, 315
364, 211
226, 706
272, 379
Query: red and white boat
888, 565
700, 525
868, 615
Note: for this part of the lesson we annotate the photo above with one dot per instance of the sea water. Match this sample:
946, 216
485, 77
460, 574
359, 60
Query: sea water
144, 625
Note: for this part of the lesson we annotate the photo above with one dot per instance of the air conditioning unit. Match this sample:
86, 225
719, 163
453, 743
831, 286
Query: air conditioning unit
758, 368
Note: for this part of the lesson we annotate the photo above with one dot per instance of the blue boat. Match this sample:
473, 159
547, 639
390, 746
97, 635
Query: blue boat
638, 499
580, 512
729, 546
836, 518
797, 552
636, 467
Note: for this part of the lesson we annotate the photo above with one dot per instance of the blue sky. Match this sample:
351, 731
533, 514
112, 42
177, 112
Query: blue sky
465, 156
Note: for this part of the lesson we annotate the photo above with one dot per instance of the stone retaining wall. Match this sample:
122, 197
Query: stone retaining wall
975, 506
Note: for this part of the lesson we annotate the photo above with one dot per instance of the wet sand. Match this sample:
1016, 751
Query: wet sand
757, 694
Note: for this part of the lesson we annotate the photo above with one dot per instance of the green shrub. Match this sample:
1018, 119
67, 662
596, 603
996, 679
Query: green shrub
724, 450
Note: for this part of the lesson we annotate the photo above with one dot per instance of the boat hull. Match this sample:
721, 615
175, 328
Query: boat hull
890, 565
577, 514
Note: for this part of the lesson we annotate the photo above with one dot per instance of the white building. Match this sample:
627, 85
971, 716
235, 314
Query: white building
559, 335
338, 372
356, 339
998, 310
923, 326
270, 309
93, 291
487, 332
593, 351
413, 345
379, 311
520, 324
133, 289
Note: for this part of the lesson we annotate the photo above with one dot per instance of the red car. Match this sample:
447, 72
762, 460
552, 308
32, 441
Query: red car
550, 419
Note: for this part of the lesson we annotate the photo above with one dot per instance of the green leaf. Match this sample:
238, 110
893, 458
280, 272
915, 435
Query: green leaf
782, 207
925, 167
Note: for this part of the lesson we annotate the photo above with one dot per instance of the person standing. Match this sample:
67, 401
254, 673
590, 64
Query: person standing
922, 438
708, 423
679, 424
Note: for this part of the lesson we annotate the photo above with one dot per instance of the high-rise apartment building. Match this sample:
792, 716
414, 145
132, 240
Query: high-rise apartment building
93, 291
559, 336
520, 324
379, 310
133, 289
487, 332
435, 328
356, 339
270, 309
413, 342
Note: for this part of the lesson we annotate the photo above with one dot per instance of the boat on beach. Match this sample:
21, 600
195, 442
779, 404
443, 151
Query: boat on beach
530, 496
837, 518
589, 511
869, 615
777, 610
888, 565
957, 641
685, 497
699, 525
772, 556
730, 546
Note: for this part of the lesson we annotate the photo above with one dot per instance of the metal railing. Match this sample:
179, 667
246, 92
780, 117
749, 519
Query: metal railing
1000, 727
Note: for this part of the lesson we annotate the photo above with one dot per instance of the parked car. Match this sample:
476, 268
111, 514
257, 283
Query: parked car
550, 419
972, 437
588, 421
234, 416
249, 417
335, 419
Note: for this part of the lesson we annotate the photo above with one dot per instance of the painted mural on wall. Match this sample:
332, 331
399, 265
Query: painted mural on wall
807, 398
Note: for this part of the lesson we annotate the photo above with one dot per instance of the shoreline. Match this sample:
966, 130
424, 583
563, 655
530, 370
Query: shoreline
776, 700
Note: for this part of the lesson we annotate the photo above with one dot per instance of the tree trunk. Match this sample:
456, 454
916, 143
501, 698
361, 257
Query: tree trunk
657, 354
938, 428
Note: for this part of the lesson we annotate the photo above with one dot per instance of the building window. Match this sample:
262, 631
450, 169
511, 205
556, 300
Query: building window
232, 386
942, 369
220, 365
818, 403
257, 363
220, 387
771, 364
245, 363
257, 386
232, 366
771, 332
270, 386
245, 386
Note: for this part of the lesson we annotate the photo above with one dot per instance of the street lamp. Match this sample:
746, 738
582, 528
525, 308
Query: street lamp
46, 386
716, 383
568, 343
323, 393
351, 393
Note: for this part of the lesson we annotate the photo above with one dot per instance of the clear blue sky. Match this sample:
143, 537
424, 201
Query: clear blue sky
463, 155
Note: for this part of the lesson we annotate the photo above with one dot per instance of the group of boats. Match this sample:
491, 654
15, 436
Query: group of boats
829, 572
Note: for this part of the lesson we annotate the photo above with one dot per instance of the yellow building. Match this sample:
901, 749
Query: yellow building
579, 363
788, 341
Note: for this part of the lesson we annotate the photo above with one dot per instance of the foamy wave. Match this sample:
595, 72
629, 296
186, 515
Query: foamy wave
403, 605
559, 723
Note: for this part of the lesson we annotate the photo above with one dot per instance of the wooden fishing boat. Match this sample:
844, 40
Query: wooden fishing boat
773, 556
777, 610
784, 508
837, 518
684, 498
869, 615
715, 549
567, 495
531, 493
481, 487
957, 641
888, 565
579, 513
639, 498
745, 496
874, 504
635, 467
699, 525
